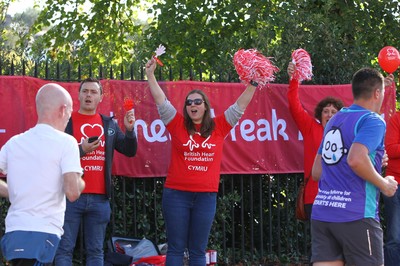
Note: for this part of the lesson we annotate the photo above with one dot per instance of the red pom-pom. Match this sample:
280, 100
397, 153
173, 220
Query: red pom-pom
302, 61
251, 65
128, 104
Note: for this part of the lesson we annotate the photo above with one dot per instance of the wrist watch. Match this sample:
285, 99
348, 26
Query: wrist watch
253, 83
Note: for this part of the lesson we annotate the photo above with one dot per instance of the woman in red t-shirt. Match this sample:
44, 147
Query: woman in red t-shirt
312, 129
190, 191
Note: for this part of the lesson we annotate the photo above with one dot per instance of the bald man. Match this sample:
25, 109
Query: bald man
42, 166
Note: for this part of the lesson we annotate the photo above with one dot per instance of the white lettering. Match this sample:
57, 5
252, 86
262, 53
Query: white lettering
157, 130
278, 123
198, 168
246, 128
264, 133
93, 168
249, 130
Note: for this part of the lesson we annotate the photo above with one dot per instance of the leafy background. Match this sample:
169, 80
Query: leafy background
203, 35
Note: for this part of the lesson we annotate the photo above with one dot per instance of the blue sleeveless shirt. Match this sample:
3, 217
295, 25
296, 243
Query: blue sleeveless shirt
342, 195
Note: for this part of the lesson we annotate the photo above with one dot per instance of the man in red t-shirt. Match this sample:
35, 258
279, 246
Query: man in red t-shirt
98, 136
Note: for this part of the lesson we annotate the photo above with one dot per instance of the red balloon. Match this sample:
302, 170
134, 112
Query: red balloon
389, 59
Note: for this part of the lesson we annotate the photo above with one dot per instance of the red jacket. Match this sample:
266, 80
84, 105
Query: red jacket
392, 146
312, 132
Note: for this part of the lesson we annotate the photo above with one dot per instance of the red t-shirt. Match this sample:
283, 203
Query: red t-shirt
85, 126
195, 160
312, 132
392, 145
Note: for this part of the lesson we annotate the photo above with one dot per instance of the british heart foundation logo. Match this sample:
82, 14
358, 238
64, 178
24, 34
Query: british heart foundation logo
89, 130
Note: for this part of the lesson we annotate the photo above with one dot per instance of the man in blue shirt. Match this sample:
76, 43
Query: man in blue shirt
345, 224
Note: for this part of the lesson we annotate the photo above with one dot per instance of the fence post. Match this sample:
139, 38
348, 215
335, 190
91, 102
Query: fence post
47, 70
122, 73
100, 71
132, 71
35, 73
12, 67
23, 68
79, 71
159, 74
68, 71
58, 71
90, 70
111, 73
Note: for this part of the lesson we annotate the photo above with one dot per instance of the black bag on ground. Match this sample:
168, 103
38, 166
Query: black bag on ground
117, 259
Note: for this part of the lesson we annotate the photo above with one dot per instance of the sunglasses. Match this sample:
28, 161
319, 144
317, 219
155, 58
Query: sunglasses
189, 102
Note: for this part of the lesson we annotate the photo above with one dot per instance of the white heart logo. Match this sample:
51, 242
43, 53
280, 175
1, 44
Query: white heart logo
89, 130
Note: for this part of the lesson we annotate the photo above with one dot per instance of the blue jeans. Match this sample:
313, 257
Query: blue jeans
188, 219
94, 211
392, 235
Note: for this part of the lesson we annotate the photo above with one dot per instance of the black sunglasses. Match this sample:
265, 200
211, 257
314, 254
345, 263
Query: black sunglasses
189, 102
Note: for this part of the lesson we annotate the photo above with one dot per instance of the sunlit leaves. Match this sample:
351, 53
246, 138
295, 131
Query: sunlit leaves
340, 36
92, 31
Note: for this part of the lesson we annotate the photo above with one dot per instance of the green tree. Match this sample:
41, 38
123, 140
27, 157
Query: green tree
206, 34
15, 40
341, 36
17, 32
3, 21
105, 32
203, 35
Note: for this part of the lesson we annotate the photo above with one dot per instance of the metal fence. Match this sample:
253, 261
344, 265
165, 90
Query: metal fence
66, 71
255, 222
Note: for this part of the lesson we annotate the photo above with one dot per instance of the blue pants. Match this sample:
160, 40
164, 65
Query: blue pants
95, 211
392, 235
188, 219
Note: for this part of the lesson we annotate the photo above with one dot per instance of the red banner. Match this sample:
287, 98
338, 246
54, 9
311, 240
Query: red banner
266, 139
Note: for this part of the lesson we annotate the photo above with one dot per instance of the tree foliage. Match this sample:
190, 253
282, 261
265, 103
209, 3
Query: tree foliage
203, 35
3, 23
15, 40
341, 36
97, 31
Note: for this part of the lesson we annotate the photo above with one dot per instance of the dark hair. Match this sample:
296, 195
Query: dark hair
91, 80
207, 124
365, 82
336, 102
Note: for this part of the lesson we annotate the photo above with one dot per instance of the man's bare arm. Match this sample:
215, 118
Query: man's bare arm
73, 185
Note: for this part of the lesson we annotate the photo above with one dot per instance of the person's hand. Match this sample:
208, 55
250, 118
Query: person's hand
290, 69
89, 147
129, 120
389, 80
390, 187
151, 66
385, 159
